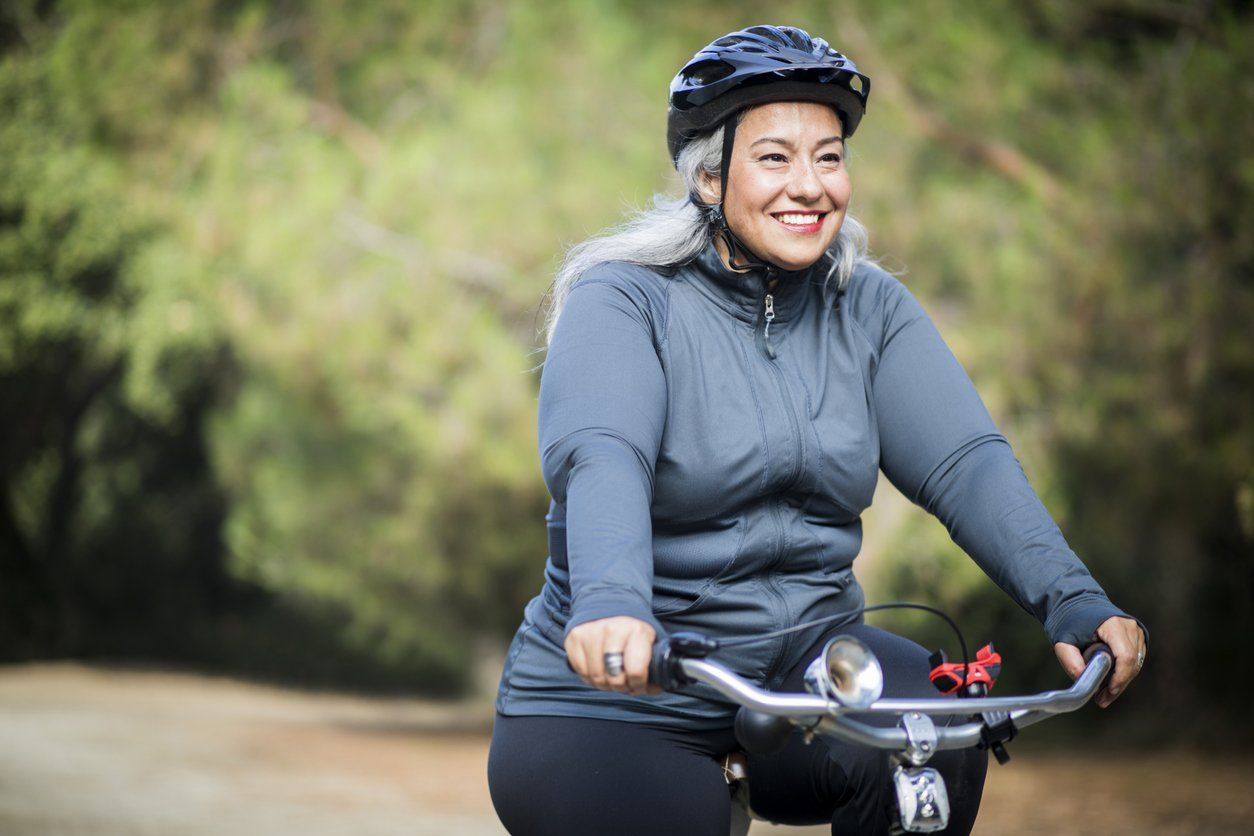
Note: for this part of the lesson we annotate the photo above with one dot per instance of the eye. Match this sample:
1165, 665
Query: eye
773, 157
830, 158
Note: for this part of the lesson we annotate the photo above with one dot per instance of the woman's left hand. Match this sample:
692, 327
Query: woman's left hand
1127, 643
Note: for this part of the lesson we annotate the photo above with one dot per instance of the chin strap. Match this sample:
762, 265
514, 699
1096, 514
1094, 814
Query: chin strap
739, 256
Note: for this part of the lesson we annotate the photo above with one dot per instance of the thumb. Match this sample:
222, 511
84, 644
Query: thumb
1070, 658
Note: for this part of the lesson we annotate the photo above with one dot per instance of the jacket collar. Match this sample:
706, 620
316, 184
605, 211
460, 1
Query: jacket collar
744, 294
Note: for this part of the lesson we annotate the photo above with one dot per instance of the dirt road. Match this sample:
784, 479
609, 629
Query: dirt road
109, 752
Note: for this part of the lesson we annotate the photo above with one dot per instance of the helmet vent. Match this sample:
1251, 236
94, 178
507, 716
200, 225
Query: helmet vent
708, 72
796, 39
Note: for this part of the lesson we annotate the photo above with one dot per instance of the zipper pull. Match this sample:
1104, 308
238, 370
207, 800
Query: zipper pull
768, 303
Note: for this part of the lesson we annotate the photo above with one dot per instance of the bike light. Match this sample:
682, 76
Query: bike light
847, 672
922, 799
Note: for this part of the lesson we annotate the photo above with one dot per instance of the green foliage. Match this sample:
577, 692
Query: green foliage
270, 274
105, 384
1112, 320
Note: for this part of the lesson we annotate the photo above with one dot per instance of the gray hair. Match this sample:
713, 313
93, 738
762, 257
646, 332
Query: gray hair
673, 231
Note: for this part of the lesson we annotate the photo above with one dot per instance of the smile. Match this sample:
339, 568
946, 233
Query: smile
804, 223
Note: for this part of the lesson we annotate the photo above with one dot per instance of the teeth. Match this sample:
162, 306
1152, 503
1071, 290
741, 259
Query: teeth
798, 219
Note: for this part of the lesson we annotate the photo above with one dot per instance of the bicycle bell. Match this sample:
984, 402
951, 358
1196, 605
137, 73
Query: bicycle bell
847, 672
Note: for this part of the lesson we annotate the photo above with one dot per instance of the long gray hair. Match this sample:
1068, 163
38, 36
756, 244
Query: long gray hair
673, 231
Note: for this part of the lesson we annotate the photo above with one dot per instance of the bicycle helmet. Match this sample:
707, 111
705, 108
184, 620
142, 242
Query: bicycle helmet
754, 66
758, 65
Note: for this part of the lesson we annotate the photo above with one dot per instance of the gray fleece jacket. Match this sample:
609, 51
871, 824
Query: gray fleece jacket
710, 448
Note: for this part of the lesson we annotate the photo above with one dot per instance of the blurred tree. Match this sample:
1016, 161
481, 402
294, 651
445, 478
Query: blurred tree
1129, 385
269, 276
109, 518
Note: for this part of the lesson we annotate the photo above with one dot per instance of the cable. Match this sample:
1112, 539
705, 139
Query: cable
805, 625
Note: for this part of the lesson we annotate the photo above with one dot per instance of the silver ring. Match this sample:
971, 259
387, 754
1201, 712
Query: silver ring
613, 664
1140, 660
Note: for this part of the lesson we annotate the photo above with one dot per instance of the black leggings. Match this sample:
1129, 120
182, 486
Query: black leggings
567, 775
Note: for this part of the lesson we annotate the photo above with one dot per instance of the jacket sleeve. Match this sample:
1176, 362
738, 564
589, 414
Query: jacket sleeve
939, 447
601, 414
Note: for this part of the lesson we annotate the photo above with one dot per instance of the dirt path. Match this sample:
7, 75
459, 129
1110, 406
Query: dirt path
108, 752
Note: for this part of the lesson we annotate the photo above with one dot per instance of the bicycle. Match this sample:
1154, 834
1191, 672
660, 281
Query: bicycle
846, 679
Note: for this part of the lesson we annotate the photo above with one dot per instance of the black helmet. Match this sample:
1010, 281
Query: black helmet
757, 65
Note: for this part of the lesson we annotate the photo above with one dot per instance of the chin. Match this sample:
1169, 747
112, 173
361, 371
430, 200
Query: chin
797, 255
793, 261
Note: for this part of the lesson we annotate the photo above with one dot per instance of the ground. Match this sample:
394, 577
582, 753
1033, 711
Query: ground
107, 751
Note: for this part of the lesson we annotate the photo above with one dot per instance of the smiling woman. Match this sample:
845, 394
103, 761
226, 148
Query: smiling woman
788, 188
726, 376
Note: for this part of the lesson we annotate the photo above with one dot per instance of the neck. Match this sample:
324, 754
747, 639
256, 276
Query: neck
721, 247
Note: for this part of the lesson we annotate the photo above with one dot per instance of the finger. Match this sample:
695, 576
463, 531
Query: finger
594, 649
636, 657
1070, 658
591, 641
1122, 635
615, 681
589, 638
576, 656
621, 636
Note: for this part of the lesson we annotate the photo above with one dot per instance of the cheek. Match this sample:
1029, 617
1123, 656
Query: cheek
839, 190
746, 208
752, 192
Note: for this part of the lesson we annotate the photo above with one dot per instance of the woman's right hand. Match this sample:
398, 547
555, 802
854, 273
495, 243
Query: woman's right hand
587, 644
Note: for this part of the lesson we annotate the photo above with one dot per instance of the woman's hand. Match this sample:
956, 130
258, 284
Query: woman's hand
1127, 643
587, 644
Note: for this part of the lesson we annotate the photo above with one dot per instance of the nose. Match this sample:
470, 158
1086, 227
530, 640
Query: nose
804, 184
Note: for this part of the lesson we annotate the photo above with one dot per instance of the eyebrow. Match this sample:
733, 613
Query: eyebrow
788, 144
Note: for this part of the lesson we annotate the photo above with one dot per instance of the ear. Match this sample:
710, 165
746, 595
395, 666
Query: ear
708, 189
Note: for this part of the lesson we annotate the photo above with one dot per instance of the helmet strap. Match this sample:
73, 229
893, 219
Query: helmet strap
739, 257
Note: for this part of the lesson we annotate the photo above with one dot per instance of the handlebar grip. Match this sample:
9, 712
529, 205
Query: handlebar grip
666, 669
1096, 648
660, 664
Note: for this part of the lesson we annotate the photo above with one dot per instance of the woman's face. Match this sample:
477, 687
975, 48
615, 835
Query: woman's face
787, 186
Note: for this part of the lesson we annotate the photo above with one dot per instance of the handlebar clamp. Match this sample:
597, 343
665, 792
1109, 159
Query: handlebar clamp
999, 729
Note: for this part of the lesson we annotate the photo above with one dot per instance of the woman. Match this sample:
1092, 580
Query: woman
725, 377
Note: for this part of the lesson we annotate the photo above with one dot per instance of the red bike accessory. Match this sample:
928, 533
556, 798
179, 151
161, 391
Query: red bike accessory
948, 676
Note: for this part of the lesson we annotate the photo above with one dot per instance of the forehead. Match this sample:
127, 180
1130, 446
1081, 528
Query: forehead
795, 121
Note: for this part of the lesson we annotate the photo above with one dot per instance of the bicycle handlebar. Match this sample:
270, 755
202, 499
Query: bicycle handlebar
673, 669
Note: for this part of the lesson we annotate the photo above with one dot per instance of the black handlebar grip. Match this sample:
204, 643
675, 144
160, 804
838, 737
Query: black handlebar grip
659, 665
665, 668
1096, 648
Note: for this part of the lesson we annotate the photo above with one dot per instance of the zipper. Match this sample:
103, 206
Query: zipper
762, 332
794, 422
782, 614
766, 316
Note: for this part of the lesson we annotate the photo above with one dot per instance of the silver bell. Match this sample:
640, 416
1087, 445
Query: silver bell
847, 672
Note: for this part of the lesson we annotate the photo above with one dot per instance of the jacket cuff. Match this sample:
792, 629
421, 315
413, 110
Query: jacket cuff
610, 603
1077, 625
